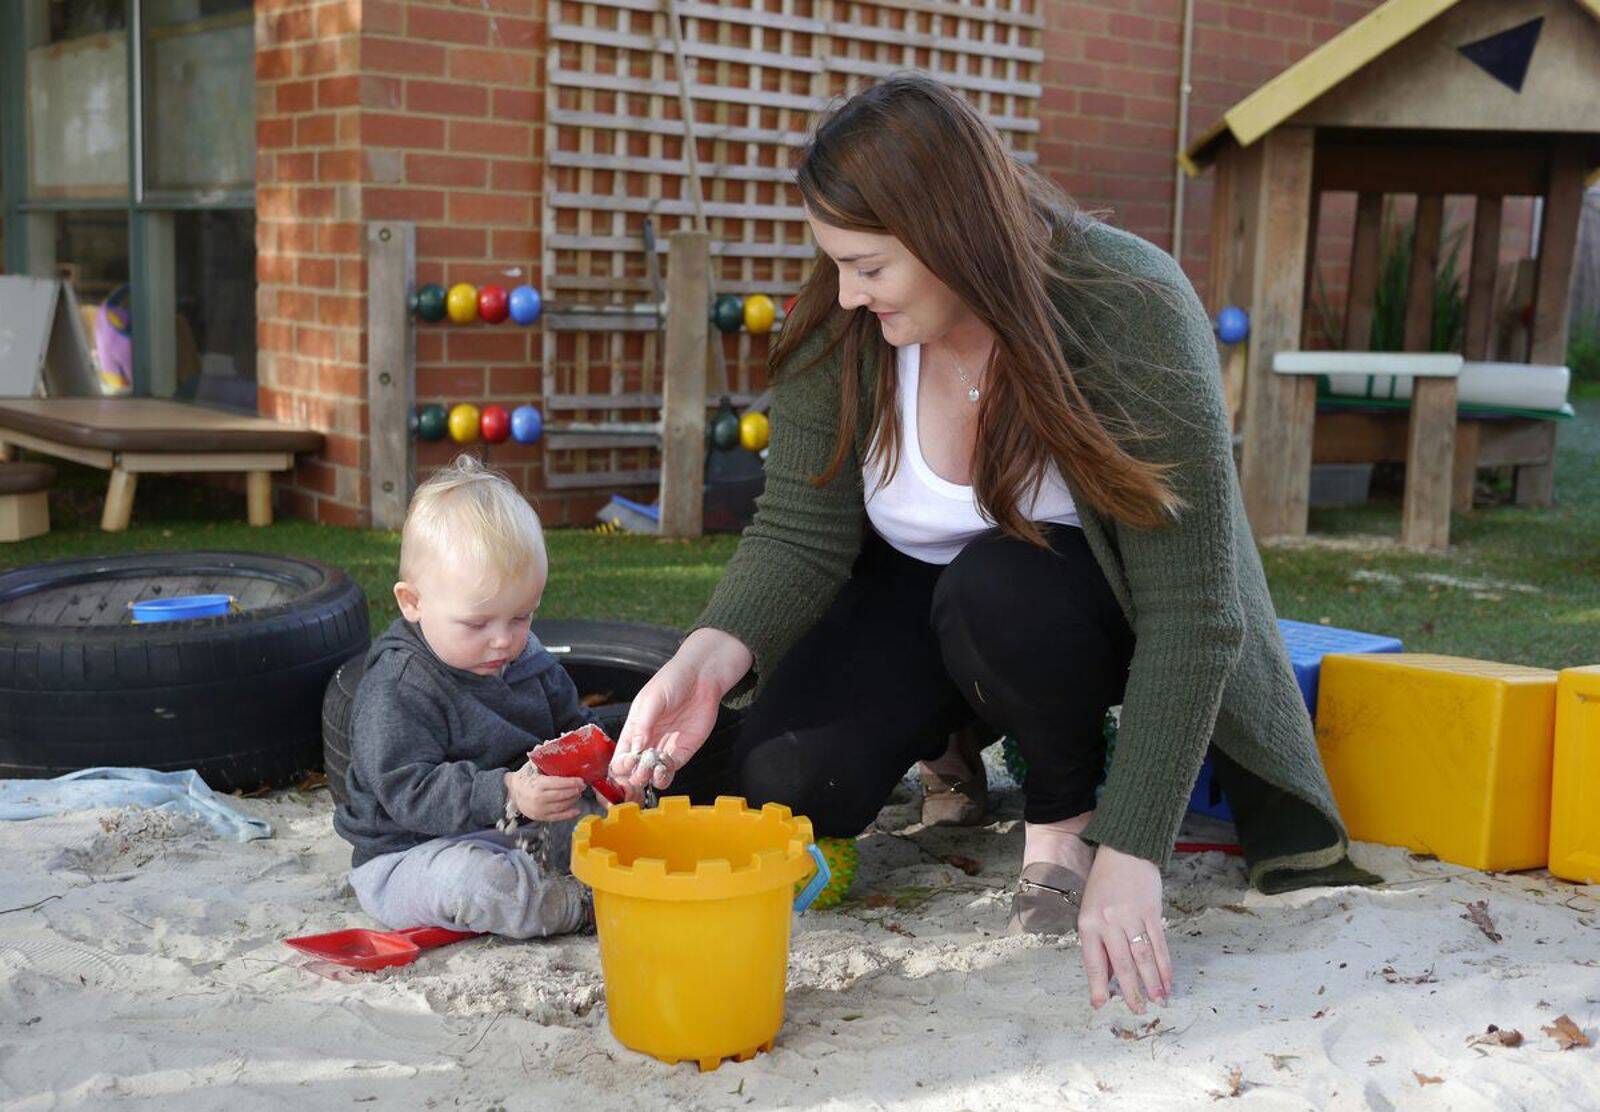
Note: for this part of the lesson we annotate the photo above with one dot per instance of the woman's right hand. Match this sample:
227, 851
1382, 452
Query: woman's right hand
674, 712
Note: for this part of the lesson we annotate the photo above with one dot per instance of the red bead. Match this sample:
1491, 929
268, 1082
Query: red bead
495, 424
493, 304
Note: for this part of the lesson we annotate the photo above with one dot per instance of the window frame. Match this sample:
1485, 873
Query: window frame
145, 210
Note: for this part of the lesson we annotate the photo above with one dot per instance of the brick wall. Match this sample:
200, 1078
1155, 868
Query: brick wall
431, 111
310, 278
384, 109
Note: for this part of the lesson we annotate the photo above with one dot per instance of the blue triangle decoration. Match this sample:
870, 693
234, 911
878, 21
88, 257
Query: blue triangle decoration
1505, 56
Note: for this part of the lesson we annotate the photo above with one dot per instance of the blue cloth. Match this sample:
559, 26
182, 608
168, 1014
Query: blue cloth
88, 788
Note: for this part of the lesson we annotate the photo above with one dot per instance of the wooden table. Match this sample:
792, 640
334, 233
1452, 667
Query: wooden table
129, 436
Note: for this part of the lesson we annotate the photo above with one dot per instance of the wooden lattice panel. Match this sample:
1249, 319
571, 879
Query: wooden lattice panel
760, 71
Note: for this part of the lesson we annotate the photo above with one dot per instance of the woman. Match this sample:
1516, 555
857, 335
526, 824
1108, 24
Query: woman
1000, 487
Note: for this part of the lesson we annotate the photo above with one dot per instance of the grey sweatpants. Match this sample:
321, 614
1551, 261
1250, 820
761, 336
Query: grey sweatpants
477, 882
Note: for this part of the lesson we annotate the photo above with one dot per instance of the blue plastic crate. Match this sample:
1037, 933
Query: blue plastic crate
1307, 643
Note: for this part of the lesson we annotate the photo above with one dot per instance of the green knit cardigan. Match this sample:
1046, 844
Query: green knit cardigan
1209, 665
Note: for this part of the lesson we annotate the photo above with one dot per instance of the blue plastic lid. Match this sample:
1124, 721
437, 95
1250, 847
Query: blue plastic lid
181, 608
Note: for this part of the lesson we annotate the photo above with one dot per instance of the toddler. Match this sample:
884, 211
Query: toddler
456, 690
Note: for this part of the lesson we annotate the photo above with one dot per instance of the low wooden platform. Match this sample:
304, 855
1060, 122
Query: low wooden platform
130, 436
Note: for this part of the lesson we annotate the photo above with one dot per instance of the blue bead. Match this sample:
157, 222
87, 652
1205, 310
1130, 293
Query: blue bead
527, 423
526, 305
1233, 324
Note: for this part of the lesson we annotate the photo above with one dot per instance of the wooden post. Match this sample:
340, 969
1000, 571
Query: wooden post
258, 497
118, 511
1431, 430
683, 393
391, 371
1480, 282
1280, 410
1233, 203
1558, 238
1309, 282
1465, 467
1364, 263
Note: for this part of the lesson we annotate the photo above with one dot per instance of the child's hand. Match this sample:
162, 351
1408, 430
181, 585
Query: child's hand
544, 798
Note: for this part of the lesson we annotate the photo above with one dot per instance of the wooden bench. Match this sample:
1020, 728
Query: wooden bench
24, 505
131, 436
1416, 415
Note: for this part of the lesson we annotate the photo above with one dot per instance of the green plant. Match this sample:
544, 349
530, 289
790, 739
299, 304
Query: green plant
1583, 349
1389, 297
1394, 273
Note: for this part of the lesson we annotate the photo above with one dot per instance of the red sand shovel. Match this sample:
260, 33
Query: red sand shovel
359, 948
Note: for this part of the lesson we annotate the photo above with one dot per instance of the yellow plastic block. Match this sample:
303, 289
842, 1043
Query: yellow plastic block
1575, 792
1441, 754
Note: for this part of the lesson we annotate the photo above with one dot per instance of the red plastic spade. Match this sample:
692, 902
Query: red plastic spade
363, 949
585, 753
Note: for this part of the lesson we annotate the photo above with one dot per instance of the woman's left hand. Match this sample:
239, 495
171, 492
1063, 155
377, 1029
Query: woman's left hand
1119, 924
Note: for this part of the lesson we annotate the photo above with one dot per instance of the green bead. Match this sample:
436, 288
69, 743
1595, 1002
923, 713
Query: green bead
430, 303
432, 422
725, 430
729, 313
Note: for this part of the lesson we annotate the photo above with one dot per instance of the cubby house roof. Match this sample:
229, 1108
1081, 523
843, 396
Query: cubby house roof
1464, 71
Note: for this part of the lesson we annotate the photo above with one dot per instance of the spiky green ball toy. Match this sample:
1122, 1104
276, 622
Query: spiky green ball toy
842, 858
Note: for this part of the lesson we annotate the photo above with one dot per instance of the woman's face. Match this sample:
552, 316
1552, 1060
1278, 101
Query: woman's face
878, 273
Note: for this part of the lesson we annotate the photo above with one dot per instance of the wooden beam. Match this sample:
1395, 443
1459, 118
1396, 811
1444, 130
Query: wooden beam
1510, 169
1431, 431
1535, 483
1480, 281
1428, 228
683, 406
1558, 238
391, 371
1364, 261
1430, 465
1275, 468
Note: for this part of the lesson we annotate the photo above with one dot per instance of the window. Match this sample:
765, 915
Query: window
134, 178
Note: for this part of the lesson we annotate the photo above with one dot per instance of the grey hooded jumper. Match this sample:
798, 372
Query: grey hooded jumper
430, 744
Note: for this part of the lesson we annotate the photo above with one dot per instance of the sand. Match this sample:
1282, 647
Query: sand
153, 974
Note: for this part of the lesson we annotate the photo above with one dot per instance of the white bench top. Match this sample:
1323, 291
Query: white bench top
1400, 364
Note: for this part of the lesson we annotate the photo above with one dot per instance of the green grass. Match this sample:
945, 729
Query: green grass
1526, 583
1538, 571
592, 576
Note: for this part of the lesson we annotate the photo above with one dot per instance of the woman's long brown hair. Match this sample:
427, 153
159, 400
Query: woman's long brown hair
910, 159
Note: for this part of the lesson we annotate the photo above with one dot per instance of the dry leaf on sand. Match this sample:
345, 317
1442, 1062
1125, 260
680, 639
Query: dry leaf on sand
1478, 915
1496, 1036
1425, 1079
1567, 1034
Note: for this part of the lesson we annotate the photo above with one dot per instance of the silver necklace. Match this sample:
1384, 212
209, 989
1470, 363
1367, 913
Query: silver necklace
973, 392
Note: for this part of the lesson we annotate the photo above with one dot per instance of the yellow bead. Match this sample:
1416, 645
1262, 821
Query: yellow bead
753, 431
464, 422
759, 313
461, 303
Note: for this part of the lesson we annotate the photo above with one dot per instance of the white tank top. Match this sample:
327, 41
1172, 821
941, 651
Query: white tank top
929, 518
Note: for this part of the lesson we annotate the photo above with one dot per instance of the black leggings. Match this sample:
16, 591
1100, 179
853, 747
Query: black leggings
1030, 641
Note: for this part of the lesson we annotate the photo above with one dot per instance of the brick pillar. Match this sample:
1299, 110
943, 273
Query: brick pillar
309, 268
426, 112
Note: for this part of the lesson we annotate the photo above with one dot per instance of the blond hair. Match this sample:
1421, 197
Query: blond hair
477, 517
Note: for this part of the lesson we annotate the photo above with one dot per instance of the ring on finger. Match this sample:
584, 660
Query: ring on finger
1138, 938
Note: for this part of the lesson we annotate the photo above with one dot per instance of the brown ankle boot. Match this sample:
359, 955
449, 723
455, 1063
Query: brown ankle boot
955, 787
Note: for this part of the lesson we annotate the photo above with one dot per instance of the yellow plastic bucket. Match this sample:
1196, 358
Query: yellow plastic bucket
693, 907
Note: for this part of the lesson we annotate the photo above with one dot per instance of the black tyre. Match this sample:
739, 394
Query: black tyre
235, 697
609, 661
